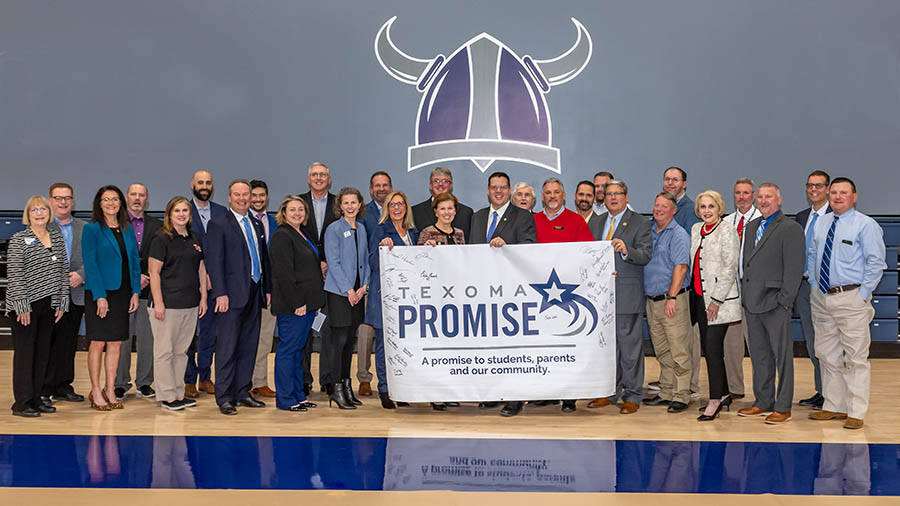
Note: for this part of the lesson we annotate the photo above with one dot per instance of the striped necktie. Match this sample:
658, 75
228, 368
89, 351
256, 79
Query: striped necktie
760, 231
825, 270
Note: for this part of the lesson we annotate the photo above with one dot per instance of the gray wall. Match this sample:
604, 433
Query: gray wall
95, 92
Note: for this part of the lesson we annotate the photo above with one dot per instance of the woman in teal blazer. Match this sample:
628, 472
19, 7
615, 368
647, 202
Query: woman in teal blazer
112, 283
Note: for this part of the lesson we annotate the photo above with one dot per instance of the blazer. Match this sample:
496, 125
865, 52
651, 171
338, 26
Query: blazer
423, 217
228, 259
215, 210
76, 295
103, 260
719, 256
634, 230
803, 215
774, 268
373, 301
516, 226
370, 219
311, 230
296, 275
342, 256
151, 226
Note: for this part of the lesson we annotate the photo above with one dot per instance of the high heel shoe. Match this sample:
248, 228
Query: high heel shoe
98, 407
112, 405
348, 392
337, 395
725, 403
386, 401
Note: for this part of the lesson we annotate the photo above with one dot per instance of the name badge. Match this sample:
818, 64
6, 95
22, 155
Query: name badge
29, 241
558, 227
347, 233
845, 241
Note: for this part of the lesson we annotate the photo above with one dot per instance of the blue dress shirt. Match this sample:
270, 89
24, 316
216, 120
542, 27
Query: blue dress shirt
671, 247
857, 252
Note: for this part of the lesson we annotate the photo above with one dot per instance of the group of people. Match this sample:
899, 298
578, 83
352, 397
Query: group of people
704, 280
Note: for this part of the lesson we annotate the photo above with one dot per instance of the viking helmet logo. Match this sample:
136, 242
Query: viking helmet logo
483, 102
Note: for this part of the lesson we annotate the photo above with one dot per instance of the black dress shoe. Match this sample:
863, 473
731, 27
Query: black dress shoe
439, 406
43, 408
656, 401
250, 402
512, 408
676, 407
69, 397
227, 408
568, 406
488, 405
386, 401
401, 404
298, 408
812, 401
552, 402
28, 412
45, 400
308, 405
452, 404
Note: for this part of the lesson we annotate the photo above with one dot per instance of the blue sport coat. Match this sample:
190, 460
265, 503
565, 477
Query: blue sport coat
228, 259
373, 300
103, 260
341, 257
370, 220
215, 210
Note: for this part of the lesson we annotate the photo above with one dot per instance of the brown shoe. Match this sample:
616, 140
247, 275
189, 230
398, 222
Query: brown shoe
753, 411
190, 390
629, 408
778, 418
853, 423
263, 391
827, 415
208, 387
365, 389
602, 402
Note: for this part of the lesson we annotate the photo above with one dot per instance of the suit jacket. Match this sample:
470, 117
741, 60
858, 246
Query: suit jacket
311, 230
103, 260
634, 230
296, 275
423, 216
76, 295
370, 219
215, 210
516, 226
803, 215
342, 256
774, 268
373, 302
228, 259
719, 257
151, 226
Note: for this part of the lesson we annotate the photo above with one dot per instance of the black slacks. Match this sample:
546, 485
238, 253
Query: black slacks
712, 342
32, 351
63, 343
336, 355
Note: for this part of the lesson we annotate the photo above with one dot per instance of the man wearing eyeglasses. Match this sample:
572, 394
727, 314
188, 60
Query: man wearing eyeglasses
61, 367
817, 184
441, 181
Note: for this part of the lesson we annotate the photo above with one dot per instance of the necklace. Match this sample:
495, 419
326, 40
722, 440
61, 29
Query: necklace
707, 229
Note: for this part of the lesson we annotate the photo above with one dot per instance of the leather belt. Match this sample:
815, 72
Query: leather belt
657, 298
838, 289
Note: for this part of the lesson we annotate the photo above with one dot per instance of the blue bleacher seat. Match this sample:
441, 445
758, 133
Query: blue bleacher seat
891, 233
885, 306
884, 330
888, 284
890, 257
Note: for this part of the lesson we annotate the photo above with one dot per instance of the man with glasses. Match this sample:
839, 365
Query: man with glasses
441, 181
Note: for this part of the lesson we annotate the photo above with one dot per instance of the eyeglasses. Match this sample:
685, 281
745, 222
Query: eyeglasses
62, 199
39, 209
109, 200
817, 186
615, 194
397, 204
672, 180
498, 187
318, 174
441, 181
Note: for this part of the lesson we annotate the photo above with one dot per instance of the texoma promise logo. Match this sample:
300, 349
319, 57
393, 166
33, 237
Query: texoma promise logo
454, 319
483, 102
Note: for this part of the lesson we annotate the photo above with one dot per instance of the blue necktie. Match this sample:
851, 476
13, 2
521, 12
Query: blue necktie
254, 255
492, 227
759, 231
825, 270
809, 235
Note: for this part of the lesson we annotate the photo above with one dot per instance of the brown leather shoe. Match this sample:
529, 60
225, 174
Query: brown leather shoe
753, 411
827, 415
602, 402
190, 390
853, 423
263, 391
778, 418
207, 386
365, 389
629, 408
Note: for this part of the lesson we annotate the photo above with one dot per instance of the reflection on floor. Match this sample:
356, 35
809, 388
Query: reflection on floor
404, 464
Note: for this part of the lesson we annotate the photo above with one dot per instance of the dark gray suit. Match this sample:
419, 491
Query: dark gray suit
423, 216
773, 270
804, 310
516, 226
634, 231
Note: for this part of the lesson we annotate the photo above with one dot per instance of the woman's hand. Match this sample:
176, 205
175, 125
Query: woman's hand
351, 295
362, 292
430, 242
102, 307
59, 315
133, 304
712, 311
300, 311
24, 319
387, 241
159, 312
201, 311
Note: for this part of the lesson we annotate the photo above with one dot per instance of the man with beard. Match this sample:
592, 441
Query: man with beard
200, 354
584, 201
259, 205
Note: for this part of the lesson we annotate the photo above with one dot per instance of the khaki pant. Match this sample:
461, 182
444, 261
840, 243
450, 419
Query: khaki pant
734, 355
841, 323
365, 339
171, 339
266, 336
672, 341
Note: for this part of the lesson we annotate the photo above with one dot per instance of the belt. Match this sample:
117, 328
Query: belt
838, 289
657, 298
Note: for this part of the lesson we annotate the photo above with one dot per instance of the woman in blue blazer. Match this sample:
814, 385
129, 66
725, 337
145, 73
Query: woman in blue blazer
112, 283
395, 228
346, 283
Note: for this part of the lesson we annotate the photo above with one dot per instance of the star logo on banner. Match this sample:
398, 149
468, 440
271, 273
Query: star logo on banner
555, 293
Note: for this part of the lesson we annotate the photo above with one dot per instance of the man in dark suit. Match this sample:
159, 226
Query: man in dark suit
259, 205
200, 353
145, 227
774, 252
817, 185
632, 242
238, 264
441, 181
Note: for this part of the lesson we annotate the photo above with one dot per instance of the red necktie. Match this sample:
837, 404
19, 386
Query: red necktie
740, 229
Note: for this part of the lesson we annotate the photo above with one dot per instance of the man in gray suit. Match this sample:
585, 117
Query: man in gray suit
774, 254
633, 244
61, 366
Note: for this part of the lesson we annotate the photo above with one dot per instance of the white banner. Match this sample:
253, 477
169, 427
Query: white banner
521, 322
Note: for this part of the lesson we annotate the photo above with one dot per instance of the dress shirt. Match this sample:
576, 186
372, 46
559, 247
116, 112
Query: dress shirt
820, 212
500, 212
251, 241
671, 247
204, 213
264, 218
617, 218
763, 226
138, 225
551, 218
857, 255
599, 208
735, 219
66, 231
320, 207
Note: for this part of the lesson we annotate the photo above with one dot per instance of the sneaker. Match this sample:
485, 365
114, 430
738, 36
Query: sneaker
175, 405
188, 403
120, 394
146, 392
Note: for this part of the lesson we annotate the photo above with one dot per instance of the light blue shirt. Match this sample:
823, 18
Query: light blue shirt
66, 231
204, 213
671, 247
251, 241
618, 220
551, 218
320, 207
857, 255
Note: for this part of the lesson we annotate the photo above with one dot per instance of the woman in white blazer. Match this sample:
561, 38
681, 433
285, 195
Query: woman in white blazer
715, 297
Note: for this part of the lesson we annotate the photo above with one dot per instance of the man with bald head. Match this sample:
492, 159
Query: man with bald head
202, 211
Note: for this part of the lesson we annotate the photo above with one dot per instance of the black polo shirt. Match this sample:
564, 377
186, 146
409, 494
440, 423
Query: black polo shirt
179, 276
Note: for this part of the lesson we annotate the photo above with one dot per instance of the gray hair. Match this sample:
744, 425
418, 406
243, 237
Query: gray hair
769, 184
441, 171
745, 180
522, 184
616, 182
553, 180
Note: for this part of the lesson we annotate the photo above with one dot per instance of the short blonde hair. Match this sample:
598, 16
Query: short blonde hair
279, 216
407, 218
715, 196
34, 201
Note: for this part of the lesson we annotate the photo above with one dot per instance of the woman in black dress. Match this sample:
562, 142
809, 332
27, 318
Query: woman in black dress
112, 282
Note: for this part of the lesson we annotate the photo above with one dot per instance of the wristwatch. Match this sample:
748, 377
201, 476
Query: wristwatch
669, 297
